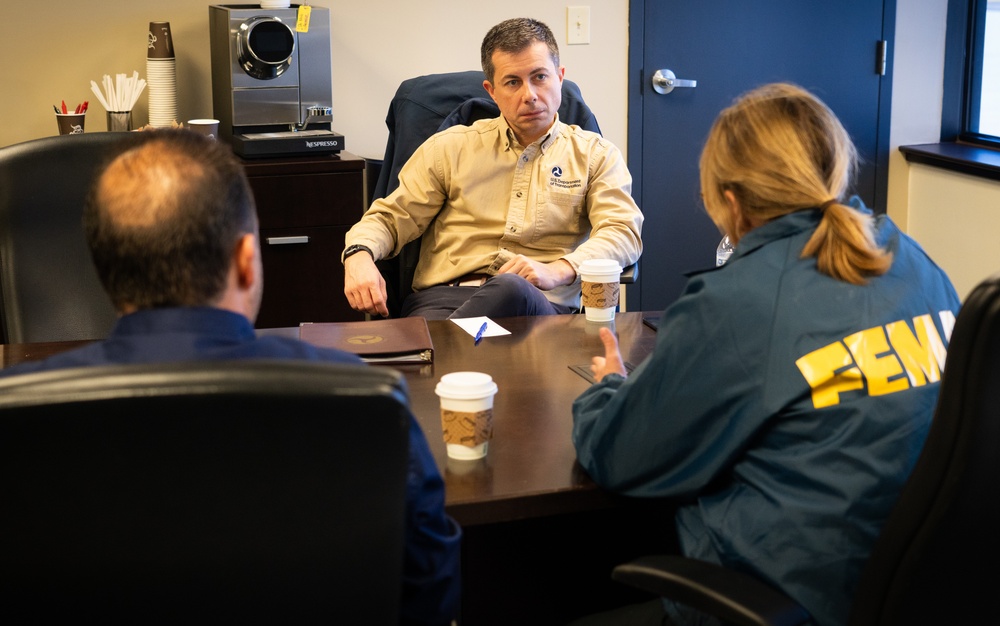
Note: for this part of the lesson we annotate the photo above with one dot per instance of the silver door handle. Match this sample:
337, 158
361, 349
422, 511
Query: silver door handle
284, 241
664, 82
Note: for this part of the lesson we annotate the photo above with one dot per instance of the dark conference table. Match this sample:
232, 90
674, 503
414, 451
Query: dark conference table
531, 468
540, 536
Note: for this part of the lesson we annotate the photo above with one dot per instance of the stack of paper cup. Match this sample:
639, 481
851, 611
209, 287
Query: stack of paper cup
161, 76
466, 413
600, 285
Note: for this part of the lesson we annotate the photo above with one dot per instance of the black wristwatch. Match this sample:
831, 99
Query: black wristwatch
355, 249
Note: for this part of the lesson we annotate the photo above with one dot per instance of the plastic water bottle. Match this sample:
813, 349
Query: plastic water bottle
724, 251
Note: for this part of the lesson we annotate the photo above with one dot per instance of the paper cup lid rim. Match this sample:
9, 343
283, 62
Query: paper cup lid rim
600, 265
477, 385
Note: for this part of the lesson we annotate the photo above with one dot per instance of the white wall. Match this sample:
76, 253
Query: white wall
917, 55
54, 49
382, 42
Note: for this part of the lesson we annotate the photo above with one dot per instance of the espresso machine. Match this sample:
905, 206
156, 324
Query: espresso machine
271, 83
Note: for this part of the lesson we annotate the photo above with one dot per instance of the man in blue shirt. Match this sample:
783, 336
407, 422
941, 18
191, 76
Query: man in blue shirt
172, 228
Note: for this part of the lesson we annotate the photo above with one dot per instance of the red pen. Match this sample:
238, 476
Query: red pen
86, 103
77, 110
64, 107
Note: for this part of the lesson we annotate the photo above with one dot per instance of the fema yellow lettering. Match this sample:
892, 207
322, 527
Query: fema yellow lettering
886, 358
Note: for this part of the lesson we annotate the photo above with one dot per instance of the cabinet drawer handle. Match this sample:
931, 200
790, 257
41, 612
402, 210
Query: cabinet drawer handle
281, 241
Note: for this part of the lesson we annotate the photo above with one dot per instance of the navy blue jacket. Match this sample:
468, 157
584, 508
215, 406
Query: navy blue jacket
431, 580
782, 408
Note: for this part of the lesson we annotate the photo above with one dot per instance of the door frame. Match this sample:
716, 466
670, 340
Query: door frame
637, 89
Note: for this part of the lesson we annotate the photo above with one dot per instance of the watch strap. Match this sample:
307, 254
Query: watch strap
354, 249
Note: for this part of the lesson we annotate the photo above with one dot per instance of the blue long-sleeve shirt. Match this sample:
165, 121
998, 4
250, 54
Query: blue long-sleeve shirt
782, 408
431, 576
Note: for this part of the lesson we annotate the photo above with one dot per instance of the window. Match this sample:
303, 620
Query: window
972, 84
989, 100
970, 115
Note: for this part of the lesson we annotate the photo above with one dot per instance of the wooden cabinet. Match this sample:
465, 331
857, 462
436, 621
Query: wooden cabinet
306, 205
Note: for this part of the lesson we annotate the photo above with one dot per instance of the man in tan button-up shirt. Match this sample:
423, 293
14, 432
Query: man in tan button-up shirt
522, 199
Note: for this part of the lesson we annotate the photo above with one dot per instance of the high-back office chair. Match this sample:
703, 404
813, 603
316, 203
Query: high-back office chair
936, 557
425, 105
225, 492
48, 287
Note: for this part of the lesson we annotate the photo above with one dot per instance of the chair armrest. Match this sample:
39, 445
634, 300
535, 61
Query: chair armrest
630, 274
731, 596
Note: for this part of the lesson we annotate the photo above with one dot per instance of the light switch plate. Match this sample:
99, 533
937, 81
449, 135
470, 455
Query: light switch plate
577, 25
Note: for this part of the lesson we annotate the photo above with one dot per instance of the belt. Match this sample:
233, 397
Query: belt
469, 280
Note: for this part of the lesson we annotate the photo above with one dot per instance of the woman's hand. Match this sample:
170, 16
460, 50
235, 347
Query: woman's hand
611, 362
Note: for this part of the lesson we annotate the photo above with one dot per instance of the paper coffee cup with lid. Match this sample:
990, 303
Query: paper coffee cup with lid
466, 413
600, 284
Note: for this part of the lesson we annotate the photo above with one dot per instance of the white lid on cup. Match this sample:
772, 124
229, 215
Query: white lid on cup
600, 266
466, 386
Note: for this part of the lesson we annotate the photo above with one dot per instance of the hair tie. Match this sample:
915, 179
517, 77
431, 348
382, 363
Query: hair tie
826, 205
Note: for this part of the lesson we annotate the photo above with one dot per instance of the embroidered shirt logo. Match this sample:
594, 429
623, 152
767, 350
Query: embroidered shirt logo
557, 181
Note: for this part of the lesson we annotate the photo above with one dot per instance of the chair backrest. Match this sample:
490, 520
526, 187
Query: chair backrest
48, 286
252, 491
936, 557
421, 107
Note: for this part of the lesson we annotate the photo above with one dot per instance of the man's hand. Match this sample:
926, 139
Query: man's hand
364, 285
611, 362
545, 276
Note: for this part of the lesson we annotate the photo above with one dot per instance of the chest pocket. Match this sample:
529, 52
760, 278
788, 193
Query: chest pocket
560, 218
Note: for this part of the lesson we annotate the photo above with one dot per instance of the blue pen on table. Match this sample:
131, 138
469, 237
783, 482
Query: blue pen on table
479, 333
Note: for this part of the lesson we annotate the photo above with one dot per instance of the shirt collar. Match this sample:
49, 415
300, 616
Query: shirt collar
511, 143
218, 322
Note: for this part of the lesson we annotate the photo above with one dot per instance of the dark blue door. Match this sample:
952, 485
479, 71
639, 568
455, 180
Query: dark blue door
728, 47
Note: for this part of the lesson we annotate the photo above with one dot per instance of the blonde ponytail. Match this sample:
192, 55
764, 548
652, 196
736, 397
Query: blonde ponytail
844, 245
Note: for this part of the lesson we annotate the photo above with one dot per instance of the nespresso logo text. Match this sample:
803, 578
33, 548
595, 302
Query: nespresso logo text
322, 144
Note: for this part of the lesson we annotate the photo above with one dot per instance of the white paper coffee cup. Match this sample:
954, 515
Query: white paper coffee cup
207, 127
466, 413
600, 284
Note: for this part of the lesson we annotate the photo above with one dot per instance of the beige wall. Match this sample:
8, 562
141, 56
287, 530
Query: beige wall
54, 49
956, 218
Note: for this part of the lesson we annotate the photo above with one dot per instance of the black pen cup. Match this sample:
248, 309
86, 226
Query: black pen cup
70, 123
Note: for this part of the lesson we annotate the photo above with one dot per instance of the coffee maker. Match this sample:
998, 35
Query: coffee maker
271, 83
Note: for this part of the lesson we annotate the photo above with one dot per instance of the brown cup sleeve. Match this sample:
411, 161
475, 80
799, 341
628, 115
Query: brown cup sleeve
467, 428
600, 295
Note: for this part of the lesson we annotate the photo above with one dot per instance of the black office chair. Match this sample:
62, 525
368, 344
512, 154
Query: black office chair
425, 105
213, 492
48, 287
936, 557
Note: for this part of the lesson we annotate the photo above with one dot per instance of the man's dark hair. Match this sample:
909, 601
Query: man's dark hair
164, 219
513, 36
